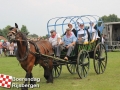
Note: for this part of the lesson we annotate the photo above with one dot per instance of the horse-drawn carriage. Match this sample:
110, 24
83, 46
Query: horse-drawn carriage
31, 53
79, 60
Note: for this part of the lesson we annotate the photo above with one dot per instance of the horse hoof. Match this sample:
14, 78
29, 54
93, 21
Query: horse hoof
49, 81
33, 82
24, 88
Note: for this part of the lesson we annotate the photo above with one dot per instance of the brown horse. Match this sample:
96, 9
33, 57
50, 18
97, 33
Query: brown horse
31, 53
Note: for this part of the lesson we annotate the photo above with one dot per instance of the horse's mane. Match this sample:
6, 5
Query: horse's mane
24, 38
11, 28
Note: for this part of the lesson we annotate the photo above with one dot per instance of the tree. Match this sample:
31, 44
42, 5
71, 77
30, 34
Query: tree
5, 31
24, 29
1, 32
33, 35
110, 18
46, 36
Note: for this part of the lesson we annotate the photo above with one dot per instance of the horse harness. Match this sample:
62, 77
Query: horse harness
37, 54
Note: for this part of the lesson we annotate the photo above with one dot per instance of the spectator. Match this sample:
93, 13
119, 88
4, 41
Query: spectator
15, 48
8, 44
4, 45
0, 48
11, 48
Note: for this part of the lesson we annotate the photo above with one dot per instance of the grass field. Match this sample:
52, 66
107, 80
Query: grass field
109, 80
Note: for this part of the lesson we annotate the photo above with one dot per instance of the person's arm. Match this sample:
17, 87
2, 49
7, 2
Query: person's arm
74, 41
72, 44
3, 45
86, 36
75, 32
62, 42
58, 39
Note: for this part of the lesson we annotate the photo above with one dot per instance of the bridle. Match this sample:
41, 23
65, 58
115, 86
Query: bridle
27, 47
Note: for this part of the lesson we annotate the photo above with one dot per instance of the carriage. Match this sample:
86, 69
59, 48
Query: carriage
79, 60
31, 53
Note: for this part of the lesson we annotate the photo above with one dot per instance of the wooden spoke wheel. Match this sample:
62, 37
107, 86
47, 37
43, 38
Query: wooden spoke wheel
72, 68
100, 58
83, 63
57, 68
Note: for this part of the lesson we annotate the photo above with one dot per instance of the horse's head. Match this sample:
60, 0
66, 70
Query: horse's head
12, 33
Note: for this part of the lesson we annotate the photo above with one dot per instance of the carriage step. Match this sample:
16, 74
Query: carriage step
102, 58
85, 64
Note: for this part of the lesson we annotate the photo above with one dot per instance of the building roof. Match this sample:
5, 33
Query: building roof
2, 38
111, 23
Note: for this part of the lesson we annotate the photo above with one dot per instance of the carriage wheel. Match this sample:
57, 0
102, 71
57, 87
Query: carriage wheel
72, 68
83, 63
56, 70
100, 58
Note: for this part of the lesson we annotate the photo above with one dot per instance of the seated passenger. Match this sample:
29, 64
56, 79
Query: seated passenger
68, 42
93, 32
73, 30
82, 35
55, 38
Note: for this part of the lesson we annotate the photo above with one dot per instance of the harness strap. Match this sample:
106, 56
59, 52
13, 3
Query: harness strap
36, 49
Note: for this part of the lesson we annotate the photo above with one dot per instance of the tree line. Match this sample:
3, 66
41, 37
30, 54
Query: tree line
4, 31
110, 18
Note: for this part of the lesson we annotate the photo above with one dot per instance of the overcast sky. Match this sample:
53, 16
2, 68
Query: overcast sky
35, 13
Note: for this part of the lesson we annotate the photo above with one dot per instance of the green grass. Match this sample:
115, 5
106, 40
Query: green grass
109, 80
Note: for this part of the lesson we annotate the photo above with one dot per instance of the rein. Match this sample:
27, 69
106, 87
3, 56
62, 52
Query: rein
26, 53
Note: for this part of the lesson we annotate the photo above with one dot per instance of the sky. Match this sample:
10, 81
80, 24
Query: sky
35, 13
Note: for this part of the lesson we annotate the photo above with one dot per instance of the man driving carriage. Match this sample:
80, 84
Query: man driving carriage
68, 42
55, 38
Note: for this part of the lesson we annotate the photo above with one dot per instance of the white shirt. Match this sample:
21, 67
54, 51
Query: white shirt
92, 30
83, 34
53, 41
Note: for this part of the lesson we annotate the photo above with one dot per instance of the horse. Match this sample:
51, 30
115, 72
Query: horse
31, 53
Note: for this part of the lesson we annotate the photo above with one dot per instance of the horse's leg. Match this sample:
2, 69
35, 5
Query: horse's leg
50, 79
47, 70
32, 82
28, 74
46, 74
26, 82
